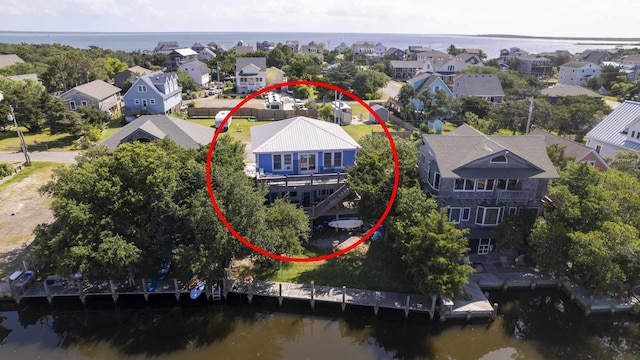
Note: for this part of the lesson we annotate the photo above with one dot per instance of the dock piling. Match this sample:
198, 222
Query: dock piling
533, 284
376, 302
505, 285
494, 313
280, 294
250, 292
432, 312
406, 308
145, 290
81, 294
344, 297
46, 291
114, 295
468, 315
177, 289
313, 290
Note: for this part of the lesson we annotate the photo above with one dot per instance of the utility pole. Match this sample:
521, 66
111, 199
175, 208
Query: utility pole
23, 144
529, 118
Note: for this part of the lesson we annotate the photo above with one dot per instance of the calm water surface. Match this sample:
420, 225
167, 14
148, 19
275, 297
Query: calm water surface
529, 327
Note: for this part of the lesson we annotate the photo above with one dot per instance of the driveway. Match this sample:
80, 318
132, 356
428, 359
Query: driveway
392, 89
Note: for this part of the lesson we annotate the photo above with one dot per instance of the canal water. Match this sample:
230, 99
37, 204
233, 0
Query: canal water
529, 326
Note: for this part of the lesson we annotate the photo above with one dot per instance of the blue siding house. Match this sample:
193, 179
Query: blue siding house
431, 82
157, 93
302, 145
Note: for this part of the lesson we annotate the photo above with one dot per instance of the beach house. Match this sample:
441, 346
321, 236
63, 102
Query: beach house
155, 93
304, 160
481, 179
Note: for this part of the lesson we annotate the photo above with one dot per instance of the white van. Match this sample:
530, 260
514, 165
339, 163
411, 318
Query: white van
220, 118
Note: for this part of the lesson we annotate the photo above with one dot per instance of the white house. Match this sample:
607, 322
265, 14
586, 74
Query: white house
198, 71
380, 49
619, 131
577, 72
206, 55
251, 74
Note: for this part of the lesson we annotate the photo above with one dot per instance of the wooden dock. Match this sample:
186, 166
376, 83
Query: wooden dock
337, 295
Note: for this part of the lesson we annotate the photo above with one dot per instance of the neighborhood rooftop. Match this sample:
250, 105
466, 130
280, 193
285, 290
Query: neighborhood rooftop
300, 134
612, 128
97, 89
182, 132
471, 145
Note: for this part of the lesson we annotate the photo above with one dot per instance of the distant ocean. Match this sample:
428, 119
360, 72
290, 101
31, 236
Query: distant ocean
147, 41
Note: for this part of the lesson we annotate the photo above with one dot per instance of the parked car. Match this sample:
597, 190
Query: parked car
298, 102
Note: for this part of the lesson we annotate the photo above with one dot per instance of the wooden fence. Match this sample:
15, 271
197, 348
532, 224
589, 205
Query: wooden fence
261, 114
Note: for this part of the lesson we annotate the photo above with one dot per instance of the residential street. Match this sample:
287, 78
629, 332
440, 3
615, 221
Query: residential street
50, 156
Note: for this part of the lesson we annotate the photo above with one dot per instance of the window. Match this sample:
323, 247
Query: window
484, 246
152, 101
332, 159
485, 184
144, 102
307, 162
499, 159
282, 162
72, 105
136, 101
638, 135
509, 184
464, 185
591, 162
633, 134
513, 211
598, 148
83, 102
142, 88
489, 216
459, 214
450, 68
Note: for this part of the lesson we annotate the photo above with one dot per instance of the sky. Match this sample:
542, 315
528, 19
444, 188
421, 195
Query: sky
581, 18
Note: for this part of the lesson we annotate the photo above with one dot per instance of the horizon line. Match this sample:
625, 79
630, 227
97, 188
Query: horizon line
607, 38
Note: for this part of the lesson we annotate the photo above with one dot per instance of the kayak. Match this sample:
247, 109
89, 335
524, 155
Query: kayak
197, 290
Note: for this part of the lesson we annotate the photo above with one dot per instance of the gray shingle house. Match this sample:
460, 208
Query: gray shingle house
148, 128
486, 86
97, 93
482, 178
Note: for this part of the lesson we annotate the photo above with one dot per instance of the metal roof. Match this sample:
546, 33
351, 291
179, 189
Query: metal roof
610, 129
242, 62
300, 134
185, 52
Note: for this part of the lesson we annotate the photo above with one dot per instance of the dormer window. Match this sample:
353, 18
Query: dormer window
499, 159
633, 134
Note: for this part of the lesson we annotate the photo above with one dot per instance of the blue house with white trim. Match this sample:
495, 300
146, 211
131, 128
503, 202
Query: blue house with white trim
157, 93
303, 160
431, 82
302, 145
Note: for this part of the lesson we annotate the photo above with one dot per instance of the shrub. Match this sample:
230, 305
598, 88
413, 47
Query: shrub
6, 169
94, 135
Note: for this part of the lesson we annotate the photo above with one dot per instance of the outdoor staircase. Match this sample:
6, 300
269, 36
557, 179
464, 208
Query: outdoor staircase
332, 200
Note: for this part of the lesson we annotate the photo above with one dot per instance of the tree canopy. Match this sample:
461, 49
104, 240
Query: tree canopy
148, 202
589, 230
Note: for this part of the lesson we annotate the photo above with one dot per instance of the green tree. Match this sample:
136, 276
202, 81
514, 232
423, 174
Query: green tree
557, 157
627, 162
433, 255
453, 50
287, 228
471, 104
93, 116
27, 99
325, 112
513, 233
186, 82
407, 92
366, 84
114, 66
372, 176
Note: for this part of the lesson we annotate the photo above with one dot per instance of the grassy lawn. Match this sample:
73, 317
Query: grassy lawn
35, 167
372, 266
114, 125
360, 130
244, 124
58, 142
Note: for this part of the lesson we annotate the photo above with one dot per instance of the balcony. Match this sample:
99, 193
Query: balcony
514, 196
